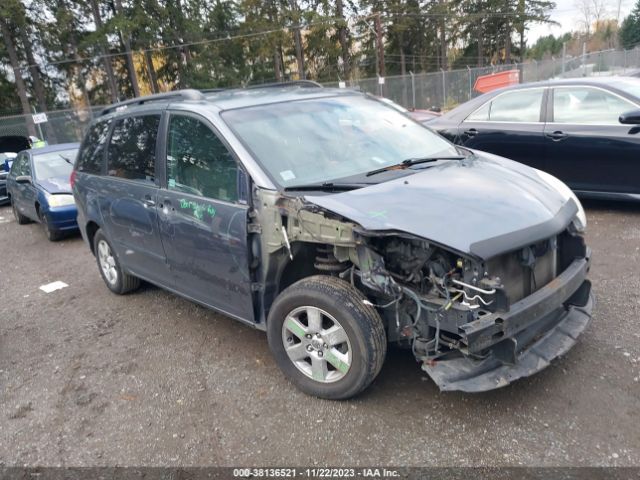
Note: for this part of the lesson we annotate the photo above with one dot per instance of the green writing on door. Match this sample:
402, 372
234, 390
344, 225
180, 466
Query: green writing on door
198, 210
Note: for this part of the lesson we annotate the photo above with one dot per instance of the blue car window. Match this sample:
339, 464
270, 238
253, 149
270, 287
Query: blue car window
21, 166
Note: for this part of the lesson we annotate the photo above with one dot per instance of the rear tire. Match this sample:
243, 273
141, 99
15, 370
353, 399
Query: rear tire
116, 280
21, 219
52, 235
325, 338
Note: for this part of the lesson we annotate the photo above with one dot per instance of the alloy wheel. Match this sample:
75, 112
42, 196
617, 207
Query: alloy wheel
316, 344
107, 262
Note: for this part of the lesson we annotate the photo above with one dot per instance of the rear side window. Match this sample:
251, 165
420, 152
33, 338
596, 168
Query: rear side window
132, 150
92, 153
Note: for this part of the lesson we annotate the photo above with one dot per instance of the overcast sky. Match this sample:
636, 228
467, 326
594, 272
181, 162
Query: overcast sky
568, 15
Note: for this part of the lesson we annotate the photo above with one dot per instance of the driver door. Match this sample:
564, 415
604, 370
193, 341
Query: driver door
203, 222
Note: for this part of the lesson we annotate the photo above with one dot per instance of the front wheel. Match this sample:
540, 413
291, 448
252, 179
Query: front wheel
21, 219
52, 234
325, 338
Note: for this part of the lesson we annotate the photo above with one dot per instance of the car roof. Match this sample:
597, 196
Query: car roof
53, 148
220, 100
597, 81
241, 98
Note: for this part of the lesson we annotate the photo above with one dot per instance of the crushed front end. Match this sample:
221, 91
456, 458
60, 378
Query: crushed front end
474, 321
476, 324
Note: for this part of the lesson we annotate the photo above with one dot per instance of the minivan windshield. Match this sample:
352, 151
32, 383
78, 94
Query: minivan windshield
325, 139
54, 164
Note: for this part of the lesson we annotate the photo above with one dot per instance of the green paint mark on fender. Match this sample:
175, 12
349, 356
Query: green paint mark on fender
198, 209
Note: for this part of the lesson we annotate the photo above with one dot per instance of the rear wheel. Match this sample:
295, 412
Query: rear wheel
325, 338
21, 219
117, 281
52, 234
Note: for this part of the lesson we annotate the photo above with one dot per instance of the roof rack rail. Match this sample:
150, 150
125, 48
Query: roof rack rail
293, 83
186, 94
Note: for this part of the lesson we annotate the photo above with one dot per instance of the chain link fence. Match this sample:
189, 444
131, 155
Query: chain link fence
443, 89
446, 89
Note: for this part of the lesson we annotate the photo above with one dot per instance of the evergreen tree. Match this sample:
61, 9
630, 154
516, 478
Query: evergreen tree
630, 29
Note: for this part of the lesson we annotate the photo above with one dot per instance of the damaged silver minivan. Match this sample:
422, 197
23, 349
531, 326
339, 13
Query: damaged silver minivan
338, 225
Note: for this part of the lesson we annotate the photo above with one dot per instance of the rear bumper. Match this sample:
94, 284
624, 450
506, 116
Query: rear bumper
523, 341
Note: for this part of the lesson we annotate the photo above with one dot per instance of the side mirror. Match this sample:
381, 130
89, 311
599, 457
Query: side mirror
23, 179
630, 118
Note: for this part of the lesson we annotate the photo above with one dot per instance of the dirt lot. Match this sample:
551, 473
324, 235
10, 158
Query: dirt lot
89, 378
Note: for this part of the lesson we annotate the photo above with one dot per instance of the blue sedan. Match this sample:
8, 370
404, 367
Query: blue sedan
39, 190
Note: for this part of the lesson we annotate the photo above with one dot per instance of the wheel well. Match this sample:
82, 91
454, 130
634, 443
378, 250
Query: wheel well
300, 267
303, 265
91, 229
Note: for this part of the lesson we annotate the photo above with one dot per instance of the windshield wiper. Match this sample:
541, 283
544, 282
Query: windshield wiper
65, 159
412, 161
330, 186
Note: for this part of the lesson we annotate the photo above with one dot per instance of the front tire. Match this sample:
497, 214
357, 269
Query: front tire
116, 280
21, 219
52, 235
325, 338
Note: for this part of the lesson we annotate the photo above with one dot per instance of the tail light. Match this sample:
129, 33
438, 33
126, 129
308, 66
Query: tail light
72, 178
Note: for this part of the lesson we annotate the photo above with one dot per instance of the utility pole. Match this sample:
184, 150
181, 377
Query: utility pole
379, 45
443, 37
564, 56
297, 37
342, 36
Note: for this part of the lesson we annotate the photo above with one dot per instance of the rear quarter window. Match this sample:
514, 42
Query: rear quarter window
132, 149
91, 156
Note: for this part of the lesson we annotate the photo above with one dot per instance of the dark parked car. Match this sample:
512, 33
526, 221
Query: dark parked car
39, 189
9, 144
6, 158
586, 132
337, 224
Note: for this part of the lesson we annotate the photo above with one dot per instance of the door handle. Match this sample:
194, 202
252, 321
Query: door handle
472, 132
557, 135
148, 201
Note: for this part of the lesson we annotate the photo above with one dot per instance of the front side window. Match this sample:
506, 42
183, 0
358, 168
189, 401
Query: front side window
324, 139
92, 153
585, 105
132, 150
198, 162
21, 166
54, 164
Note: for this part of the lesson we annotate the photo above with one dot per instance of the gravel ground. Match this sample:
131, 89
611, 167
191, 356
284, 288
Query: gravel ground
89, 378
